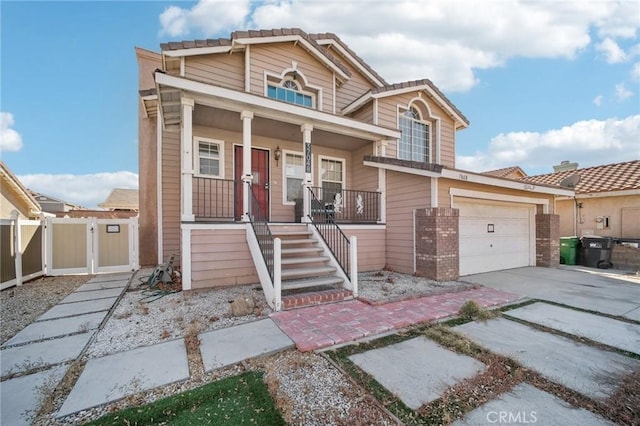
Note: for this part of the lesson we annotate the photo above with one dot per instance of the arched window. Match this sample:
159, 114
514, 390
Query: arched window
414, 139
289, 91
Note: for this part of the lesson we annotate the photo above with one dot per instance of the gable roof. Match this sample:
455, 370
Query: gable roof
121, 199
409, 86
9, 179
256, 37
606, 178
513, 172
332, 40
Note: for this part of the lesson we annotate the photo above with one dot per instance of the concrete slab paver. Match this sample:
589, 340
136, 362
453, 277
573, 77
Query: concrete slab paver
83, 296
417, 370
110, 277
102, 285
588, 370
22, 358
78, 308
525, 404
57, 327
228, 346
22, 397
619, 334
115, 376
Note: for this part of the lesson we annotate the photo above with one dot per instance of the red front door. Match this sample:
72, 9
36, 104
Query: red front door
260, 172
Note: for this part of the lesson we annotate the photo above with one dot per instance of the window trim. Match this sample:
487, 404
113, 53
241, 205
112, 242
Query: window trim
275, 79
196, 150
429, 124
344, 169
285, 202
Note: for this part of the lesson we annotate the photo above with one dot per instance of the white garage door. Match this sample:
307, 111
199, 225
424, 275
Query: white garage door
495, 235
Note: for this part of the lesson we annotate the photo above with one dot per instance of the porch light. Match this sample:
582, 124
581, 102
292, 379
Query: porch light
276, 154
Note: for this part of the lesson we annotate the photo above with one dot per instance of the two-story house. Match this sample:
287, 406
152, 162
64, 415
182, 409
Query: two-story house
281, 157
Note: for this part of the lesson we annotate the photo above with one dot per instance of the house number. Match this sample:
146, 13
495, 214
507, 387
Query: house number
463, 177
529, 187
307, 158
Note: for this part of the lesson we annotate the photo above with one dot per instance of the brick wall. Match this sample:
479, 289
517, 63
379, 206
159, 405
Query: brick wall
437, 249
547, 240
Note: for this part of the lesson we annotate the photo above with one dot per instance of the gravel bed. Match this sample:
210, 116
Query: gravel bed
20, 306
387, 286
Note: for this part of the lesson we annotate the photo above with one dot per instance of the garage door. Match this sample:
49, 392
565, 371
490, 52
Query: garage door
495, 235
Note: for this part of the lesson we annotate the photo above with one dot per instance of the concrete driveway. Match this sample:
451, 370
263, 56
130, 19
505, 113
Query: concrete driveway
606, 291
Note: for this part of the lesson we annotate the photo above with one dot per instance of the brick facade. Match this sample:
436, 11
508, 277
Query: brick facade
437, 243
547, 240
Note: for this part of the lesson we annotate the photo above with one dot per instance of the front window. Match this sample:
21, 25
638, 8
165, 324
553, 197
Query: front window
414, 139
294, 175
331, 178
209, 157
290, 92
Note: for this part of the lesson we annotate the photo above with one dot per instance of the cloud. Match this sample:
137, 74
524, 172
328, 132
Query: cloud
208, 17
612, 52
86, 190
622, 93
597, 101
10, 140
590, 143
445, 41
635, 72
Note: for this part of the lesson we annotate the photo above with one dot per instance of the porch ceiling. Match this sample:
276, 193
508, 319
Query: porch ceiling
208, 116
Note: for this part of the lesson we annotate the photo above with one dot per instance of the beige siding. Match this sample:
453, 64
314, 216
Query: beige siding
363, 177
352, 89
371, 248
171, 194
388, 117
221, 69
405, 193
275, 58
221, 257
364, 114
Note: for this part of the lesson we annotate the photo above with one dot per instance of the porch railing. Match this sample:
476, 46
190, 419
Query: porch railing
260, 225
214, 198
350, 205
322, 217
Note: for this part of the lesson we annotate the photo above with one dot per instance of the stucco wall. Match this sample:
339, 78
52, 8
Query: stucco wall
623, 213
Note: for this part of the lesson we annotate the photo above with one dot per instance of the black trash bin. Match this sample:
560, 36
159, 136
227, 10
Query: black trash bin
595, 252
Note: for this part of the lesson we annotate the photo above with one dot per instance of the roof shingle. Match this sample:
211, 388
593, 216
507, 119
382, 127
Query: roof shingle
609, 177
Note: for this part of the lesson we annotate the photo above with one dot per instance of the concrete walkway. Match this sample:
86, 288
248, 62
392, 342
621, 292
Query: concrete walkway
49, 344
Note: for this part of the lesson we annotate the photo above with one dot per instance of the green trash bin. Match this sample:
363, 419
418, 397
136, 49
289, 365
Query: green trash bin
569, 249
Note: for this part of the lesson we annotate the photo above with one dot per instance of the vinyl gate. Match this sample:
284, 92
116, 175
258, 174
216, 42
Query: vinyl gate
91, 246
21, 251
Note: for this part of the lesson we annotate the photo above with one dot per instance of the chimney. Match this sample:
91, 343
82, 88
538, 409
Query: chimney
565, 166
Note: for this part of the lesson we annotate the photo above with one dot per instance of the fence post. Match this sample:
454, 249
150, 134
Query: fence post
17, 245
277, 273
353, 245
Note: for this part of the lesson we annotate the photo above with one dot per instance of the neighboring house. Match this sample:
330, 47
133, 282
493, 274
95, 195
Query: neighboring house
53, 205
514, 172
121, 200
15, 197
241, 138
606, 201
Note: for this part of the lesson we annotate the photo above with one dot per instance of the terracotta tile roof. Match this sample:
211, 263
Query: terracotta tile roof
507, 172
254, 34
609, 177
332, 36
121, 199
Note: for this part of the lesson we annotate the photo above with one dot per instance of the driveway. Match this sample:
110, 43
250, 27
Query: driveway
607, 291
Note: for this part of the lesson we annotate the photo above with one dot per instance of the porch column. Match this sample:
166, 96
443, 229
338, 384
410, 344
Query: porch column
306, 201
186, 141
247, 176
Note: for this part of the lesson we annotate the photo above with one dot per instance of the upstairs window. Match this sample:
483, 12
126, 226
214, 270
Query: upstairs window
414, 139
289, 91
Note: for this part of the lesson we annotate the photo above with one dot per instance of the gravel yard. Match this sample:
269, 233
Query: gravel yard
307, 387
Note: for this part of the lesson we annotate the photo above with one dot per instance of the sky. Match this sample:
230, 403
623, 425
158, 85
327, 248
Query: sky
541, 81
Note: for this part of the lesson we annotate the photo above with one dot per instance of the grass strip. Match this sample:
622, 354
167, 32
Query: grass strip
242, 399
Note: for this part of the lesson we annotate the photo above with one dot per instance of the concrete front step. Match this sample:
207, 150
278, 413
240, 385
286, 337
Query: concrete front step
316, 298
308, 272
311, 282
304, 259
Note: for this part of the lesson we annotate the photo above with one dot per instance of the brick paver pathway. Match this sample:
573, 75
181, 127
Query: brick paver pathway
321, 326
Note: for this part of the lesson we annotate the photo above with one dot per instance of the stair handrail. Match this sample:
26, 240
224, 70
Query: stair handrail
260, 224
322, 218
